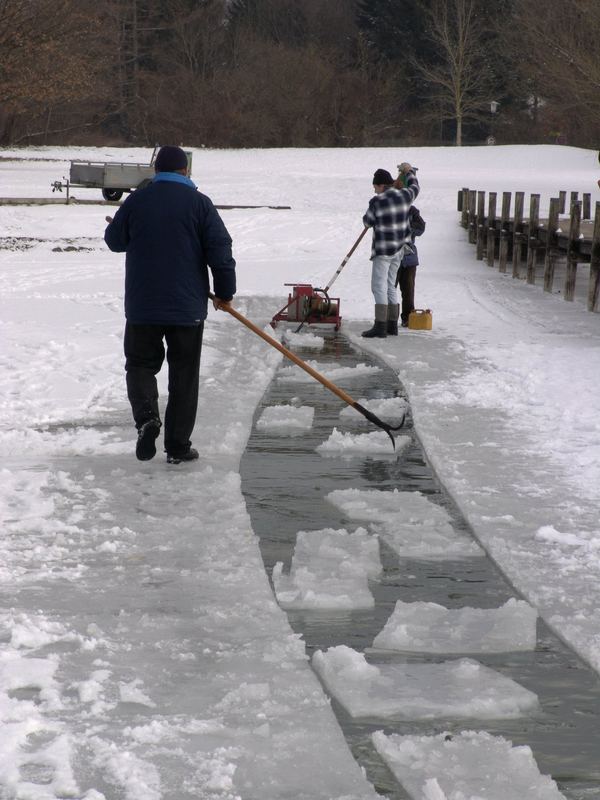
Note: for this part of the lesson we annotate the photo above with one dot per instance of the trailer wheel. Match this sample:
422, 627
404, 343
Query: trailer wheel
112, 194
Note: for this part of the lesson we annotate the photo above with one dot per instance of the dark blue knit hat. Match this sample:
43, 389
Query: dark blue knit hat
170, 159
382, 178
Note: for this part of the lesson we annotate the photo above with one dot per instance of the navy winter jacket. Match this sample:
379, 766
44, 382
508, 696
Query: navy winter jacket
170, 233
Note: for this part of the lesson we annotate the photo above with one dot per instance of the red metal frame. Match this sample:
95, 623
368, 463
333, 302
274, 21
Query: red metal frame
306, 305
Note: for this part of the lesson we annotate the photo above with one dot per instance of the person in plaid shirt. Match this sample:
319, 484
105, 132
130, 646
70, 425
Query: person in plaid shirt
388, 215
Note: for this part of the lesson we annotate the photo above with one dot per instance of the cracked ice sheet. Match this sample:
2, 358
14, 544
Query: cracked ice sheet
335, 374
452, 689
308, 340
389, 409
330, 570
470, 765
350, 445
432, 628
412, 525
286, 420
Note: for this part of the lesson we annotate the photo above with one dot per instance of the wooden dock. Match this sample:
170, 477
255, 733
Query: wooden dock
520, 244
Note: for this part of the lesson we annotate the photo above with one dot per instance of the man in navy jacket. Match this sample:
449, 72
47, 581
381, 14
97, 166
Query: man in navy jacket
171, 234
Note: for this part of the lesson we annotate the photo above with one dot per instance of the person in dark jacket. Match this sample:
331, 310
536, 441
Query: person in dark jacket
387, 214
171, 234
408, 266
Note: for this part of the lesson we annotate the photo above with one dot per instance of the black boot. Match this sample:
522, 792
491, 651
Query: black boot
393, 312
378, 331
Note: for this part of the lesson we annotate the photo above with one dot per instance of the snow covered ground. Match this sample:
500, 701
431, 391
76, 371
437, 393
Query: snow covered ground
142, 652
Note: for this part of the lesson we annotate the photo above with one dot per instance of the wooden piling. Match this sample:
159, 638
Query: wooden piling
464, 208
532, 238
572, 248
491, 229
562, 207
551, 239
574, 199
518, 233
594, 287
504, 236
472, 218
480, 225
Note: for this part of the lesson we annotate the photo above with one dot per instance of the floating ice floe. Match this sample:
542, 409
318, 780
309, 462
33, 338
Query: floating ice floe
410, 524
348, 444
432, 628
389, 409
462, 688
330, 570
286, 419
306, 340
332, 373
470, 765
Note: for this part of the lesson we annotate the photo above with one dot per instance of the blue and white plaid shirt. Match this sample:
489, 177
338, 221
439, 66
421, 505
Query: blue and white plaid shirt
388, 216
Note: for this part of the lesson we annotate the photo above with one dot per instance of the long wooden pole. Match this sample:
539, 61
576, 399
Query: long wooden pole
312, 372
345, 261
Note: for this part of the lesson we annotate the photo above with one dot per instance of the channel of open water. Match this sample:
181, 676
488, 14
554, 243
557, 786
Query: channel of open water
285, 482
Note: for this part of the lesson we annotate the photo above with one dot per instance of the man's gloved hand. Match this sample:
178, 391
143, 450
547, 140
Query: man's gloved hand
405, 167
221, 304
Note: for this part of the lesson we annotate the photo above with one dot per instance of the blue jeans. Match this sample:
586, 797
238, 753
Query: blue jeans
383, 279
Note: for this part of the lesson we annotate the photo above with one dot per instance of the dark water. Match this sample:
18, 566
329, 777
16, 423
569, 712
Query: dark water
285, 483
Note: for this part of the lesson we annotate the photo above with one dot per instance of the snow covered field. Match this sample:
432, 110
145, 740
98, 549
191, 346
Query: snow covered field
142, 652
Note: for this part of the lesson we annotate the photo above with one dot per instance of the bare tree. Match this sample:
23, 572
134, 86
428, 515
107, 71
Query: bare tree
558, 53
458, 80
45, 60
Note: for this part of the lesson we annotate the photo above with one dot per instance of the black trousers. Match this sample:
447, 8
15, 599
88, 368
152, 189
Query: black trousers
144, 357
406, 282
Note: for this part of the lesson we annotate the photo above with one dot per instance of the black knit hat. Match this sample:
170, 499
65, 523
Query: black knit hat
170, 159
382, 178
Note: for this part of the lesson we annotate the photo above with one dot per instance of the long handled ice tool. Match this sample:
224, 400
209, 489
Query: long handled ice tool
313, 373
334, 277
336, 274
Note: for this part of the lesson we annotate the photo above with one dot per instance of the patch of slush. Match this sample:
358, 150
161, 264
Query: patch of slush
348, 444
330, 570
432, 628
452, 689
471, 765
297, 375
389, 409
307, 340
412, 525
286, 419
